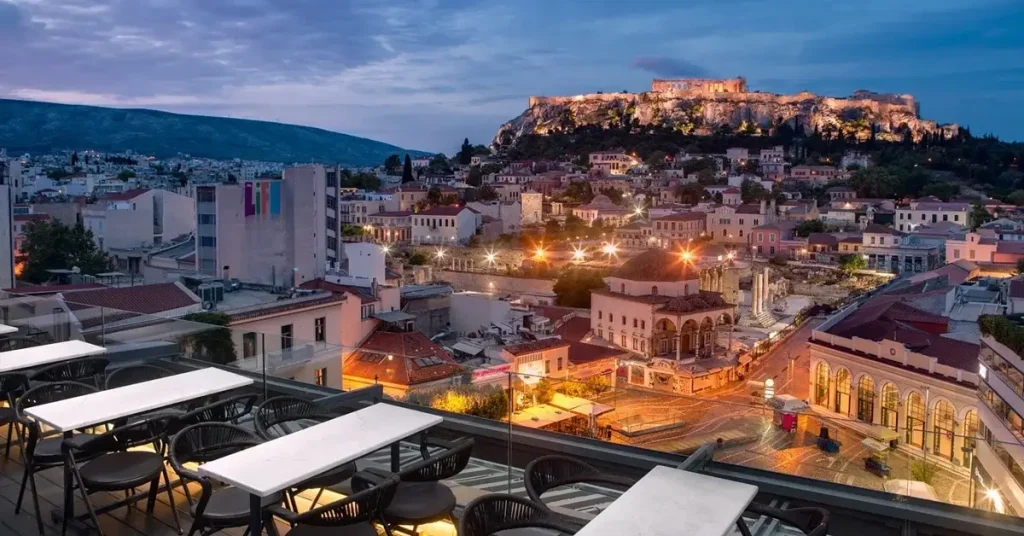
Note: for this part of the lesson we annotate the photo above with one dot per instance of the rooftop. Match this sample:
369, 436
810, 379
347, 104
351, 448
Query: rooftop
536, 346
655, 265
405, 358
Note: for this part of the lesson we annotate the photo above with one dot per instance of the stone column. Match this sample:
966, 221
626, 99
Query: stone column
679, 344
765, 302
876, 413
755, 295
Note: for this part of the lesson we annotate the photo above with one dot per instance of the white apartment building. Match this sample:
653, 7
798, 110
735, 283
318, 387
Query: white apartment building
273, 232
444, 225
728, 224
6, 228
612, 162
139, 217
922, 212
999, 473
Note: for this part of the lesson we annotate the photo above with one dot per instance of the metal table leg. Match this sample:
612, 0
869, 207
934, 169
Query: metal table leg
255, 515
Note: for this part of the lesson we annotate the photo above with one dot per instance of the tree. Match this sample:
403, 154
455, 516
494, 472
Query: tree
613, 194
852, 263
476, 176
1020, 266
752, 191
391, 164
573, 286
552, 228
574, 225
979, 216
689, 194
417, 259
805, 228
434, 195
656, 161
465, 153
125, 175
875, 182
213, 344
51, 245
487, 193
1017, 197
439, 165
407, 170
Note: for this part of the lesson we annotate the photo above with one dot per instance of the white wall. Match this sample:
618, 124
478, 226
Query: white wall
471, 311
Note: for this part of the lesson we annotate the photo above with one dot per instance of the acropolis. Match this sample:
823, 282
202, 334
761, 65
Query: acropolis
700, 85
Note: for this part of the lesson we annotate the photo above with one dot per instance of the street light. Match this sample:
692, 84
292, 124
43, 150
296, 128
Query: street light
490, 257
609, 249
385, 249
687, 256
540, 253
578, 254
439, 254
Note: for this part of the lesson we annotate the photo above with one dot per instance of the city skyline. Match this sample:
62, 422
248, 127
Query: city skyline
424, 75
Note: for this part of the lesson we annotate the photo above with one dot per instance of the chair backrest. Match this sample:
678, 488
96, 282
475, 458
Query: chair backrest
549, 472
12, 385
281, 410
10, 342
121, 438
44, 394
226, 411
362, 506
499, 512
207, 441
132, 374
75, 370
443, 465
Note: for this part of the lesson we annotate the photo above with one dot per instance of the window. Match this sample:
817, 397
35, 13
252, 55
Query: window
956, 217
321, 377
611, 318
622, 340
600, 315
320, 329
654, 290
207, 219
206, 195
547, 367
970, 253
881, 240
956, 253
286, 336
771, 237
559, 363
872, 240
643, 324
623, 320
366, 311
208, 241
248, 344
635, 323
741, 233
741, 221
600, 334
760, 237
945, 217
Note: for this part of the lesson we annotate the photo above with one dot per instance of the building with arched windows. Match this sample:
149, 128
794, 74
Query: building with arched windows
672, 317
886, 363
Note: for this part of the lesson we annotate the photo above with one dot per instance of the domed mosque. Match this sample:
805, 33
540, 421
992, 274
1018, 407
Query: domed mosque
654, 307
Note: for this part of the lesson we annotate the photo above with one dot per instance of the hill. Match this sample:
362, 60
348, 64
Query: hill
703, 107
40, 127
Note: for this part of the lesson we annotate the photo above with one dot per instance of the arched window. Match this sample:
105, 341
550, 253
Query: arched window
890, 406
654, 290
622, 288
821, 381
970, 435
866, 399
915, 419
943, 426
843, 386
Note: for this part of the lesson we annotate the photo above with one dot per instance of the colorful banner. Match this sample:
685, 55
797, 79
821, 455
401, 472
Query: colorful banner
275, 198
263, 198
248, 200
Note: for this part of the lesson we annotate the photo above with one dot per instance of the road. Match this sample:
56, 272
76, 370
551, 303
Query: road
753, 440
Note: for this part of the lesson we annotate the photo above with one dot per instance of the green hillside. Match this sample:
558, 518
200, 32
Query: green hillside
39, 127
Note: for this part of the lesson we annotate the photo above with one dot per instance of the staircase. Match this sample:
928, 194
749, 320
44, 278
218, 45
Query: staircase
764, 319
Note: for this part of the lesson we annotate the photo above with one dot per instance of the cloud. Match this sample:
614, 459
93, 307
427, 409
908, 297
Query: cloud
427, 73
670, 67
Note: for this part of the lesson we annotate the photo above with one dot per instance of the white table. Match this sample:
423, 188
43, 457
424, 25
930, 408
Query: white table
113, 404
5, 329
670, 502
283, 462
37, 356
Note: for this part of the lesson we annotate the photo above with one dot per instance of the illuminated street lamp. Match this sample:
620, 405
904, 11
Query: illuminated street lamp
540, 253
687, 256
610, 250
490, 257
731, 255
439, 254
578, 255
386, 249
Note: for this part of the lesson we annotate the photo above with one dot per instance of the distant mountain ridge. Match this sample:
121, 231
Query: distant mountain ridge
40, 127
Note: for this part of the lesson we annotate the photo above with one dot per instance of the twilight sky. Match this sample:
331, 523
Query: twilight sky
424, 74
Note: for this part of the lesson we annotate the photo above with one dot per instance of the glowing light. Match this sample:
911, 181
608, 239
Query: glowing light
731, 255
490, 257
609, 249
687, 256
385, 249
540, 253
439, 253
993, 495
578, 254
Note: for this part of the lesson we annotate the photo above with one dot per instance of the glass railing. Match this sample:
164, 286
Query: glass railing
933, 458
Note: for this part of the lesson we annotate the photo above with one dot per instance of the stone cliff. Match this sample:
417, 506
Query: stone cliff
711, 106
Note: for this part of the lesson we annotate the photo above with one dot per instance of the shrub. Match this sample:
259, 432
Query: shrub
923, 471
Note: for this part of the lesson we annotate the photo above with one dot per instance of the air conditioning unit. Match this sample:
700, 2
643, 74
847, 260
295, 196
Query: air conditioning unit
211, 292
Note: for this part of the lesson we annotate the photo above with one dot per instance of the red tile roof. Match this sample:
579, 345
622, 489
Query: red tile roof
655, 265
574, 329
126, 195
400, 358
581, 352
684, 216
394, 214
31, 217
822, 239
536, 346
444, 211
748, 208
52, 289
702, 301
875, 228
731, 191
145, 299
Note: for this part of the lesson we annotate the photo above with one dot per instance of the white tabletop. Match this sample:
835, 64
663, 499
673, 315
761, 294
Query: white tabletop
283, 462
5, 329
37, 356
112, 404
670, 502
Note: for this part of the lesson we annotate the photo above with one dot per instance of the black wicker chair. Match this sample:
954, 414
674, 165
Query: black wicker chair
549, 472
14, 342
499, 512
282, 415
43, 451
421, 497
113, 467
223, 507
86, 370
132, 374
351, 516
11, 387
808, 520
